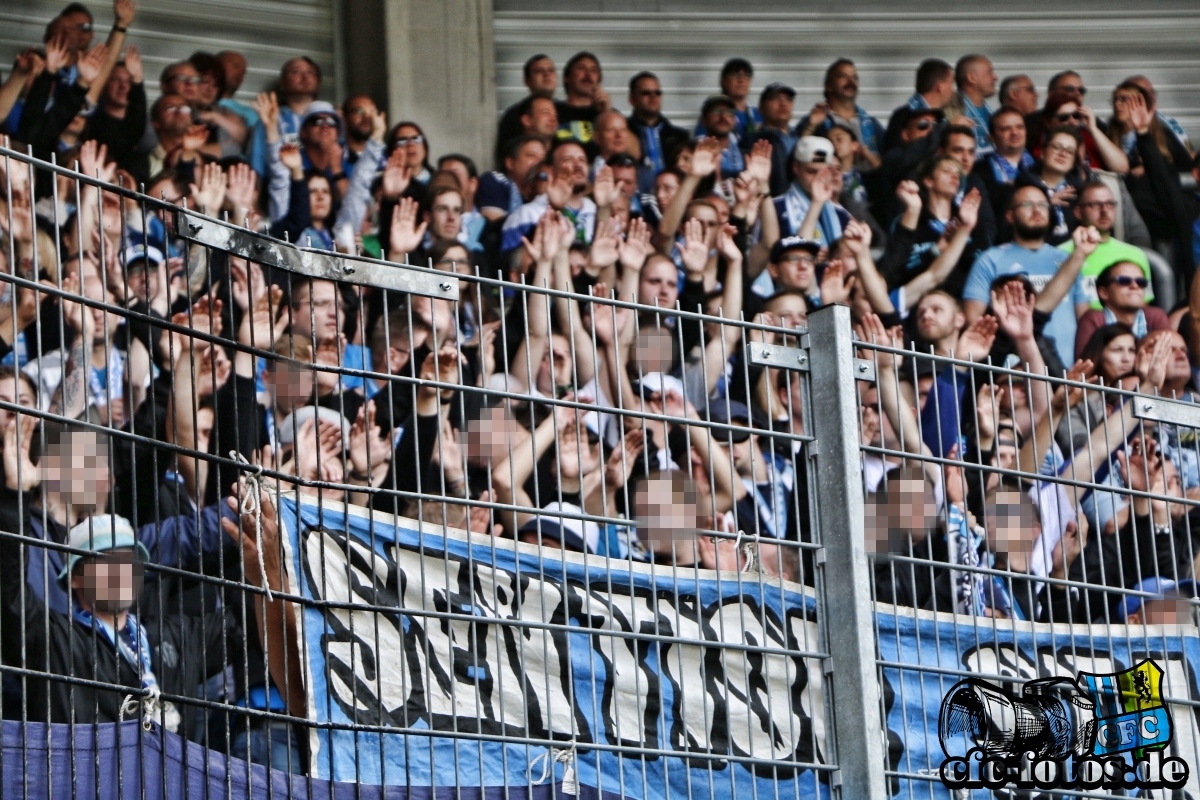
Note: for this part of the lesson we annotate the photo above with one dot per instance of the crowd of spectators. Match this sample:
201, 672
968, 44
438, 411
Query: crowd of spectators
976, 223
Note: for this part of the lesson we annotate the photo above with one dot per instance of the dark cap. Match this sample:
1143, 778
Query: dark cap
789, 243
737, 65
715, 100
772, 89
731, 412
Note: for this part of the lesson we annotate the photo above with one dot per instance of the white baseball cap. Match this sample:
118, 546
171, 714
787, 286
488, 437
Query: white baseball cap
813, 150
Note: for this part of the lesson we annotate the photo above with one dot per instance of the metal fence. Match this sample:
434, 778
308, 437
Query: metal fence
268, 507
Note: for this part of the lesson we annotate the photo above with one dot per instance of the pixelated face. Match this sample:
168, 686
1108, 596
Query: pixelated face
320, 197
1123, 291
667, 514
490, 436
796, 269
317, 309
445, 217
16, 392
109, 582
659, 284
962, 149
1098, 207
1010, 133
653, 351
77, 471
936, 317
1165, 611
1117, 358
292, 386
1011, 523
907, 511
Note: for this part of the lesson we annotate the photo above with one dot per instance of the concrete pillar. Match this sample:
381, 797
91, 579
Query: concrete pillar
441, 69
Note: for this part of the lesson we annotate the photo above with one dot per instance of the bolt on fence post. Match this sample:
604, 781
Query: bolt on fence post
849, 614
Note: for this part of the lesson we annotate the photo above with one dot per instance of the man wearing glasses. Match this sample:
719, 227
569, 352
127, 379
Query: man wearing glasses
1097, 207
1121, 288
656, 140
1053, 273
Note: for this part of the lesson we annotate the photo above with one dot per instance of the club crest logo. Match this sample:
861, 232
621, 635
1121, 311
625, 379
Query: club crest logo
1097, 730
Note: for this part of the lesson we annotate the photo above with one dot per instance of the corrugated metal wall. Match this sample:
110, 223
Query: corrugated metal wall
686, 43
266, 32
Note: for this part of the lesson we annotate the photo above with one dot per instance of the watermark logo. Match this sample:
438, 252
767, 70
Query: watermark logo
1097, 731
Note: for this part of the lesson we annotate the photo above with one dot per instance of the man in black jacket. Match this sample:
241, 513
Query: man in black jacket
120, 121
775, 105
657, 139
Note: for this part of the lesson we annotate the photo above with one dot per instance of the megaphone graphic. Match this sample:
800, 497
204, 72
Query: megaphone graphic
1053, 718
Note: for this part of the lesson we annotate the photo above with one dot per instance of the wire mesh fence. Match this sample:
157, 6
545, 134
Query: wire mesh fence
1032, 548
278, 519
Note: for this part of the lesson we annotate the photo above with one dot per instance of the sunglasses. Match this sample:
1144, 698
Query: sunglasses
178, 109
1080, 90
404, 141
186, 80
1125, 280
651, 92
1074, 115
924, 125
324, 122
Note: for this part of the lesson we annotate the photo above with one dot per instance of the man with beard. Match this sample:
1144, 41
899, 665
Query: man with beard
586, 100
1053, 272
359, 113
939, 318
840, 107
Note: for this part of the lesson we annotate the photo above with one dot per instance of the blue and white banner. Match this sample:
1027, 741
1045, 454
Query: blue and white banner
939, 650
500, 665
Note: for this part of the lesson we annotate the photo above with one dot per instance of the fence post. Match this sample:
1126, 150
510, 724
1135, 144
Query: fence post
848, 610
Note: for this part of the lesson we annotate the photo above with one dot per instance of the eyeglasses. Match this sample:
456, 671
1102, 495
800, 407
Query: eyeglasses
1074, 115
85, 27
404, 141
324, 122
1065, 149
1030, 205
723, 111
186, 80
650, 92
178, 109
1110, 204
795, 259
1125, 280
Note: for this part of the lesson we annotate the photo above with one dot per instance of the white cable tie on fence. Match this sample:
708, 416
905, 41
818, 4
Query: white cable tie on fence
548, 759
252, 505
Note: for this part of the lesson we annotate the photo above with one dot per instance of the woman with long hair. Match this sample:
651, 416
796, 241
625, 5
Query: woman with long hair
1122, 133
1063, 109
1112, 351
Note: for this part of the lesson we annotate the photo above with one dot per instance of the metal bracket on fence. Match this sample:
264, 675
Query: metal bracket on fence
773, 355
1160, 409
314, 263
864, 370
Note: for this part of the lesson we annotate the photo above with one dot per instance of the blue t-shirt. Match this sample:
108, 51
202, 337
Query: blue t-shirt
1039, 266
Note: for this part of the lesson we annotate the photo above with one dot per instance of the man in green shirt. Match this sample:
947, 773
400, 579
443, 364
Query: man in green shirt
1097, 207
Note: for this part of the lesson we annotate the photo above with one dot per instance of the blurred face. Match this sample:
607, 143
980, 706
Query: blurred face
736, 84
1022, 95
208, 91
843, 83
1072, 84
791, 310
1117, 358
543, 78
464, 177
945, 179
76, 472
583, 78
316, 308
796, 269
173, 116
937, 318
571, 158
1060, 152
183, 80
409, 138
299, 78
659, 283
542, 119
1098, 207
1179, 371
843, 142
78, 29
1123, 291
808, 174
983, 76
16, 392
234, 65
109, 582
665, 187
360, 112
612, 134
320, 199
1010, 134
1030, 210
962, 149
445, 216
142, 280
777, 109
116, 91
320, 130
646, 97
720, 120
527, 159
917, 127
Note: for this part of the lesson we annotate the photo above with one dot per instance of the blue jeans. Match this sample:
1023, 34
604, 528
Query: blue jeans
272, 743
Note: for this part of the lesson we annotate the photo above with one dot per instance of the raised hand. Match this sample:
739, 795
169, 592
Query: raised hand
620, 463
290, 157
745, 188
133, 63
239, 191
212, 366
57, 54
706, 158
636, 247
968, 209
835, 284
857, 236
560, 189
17, 462
818, 114
92, 157
1086, 239
1067, 397
210, 194
822, 189
123, 11
90, 65
1151, 363
975, 342
1015, 313
378, 125
266, 105
871, 329
370, 446
606, 243
758, 164
1139, 116
406, 234
604, 188
727, 244
910, 194
1064, 196
29, 62
694, 251
1068, 549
